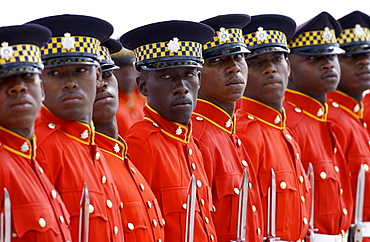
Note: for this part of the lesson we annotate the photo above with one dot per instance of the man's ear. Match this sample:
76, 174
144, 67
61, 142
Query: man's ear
141, 85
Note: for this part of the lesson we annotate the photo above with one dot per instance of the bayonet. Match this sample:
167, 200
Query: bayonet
83, 226
271, 209
5, 218
311, 177
190, 210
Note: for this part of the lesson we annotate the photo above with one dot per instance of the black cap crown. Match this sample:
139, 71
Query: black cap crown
168, 44
75, 39
355, 37
107, 48
268, 33
228, 38
20, 48
317, 36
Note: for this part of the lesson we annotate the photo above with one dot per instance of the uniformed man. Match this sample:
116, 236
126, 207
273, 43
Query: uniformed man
37, 211
67, 150
140, 211
131, 101
315, 71
261, 125
345, 104
168, 56
224, 77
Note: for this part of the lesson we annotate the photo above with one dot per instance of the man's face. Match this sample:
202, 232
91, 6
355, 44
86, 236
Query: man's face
70, 91
106, 100
355, 73
21, 96
314, 74
172, 92
224, 79
126, 77
267, 77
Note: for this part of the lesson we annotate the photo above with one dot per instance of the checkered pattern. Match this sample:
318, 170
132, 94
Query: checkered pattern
236, 36
157, 50
23, 53
103, 54
273, 37
348, 36
82, 45
311, 38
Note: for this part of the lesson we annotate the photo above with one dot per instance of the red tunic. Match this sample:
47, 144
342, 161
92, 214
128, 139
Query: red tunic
140, 213
130, 110
166, 154
70, 158
270, 145
37, 211
346, 115
224, 160
366, 111
307, 119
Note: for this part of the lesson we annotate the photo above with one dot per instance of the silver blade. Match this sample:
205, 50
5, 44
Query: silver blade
273, 203
242, 207
311, 176
83, 230
190, 210
6, 218
360, 195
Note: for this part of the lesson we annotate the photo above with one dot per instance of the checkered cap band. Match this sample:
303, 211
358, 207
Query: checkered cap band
311, 38
160, 49
22, 53
82, 44
236, 36
272, 37
104, 55
349, 36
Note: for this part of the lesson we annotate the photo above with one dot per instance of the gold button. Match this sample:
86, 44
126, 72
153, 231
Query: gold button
103, 179
244, 163
211, 237
54, 194
130, 226
109, 203
42, 222
41, 170
155, 125
254, 209
283, 185
199, 183
305, 221
14, 235
259, 231
91, 208
297, 156
336, 168
303, 199
142, 187
159, 240
149, 204
250, 185
213, 208
190, 151
297, 109
250, 116
206, 220
97, 155
365, 125
289, 137
323, 175
366, 167
51, 126
193, 166
341, 191
163, 221
184, 206
335, 104
61, 219
239, 142
301, 179
345, 212
115, 230
155, 223
133, 170
202, 202
236, 191
335, 150
199, 118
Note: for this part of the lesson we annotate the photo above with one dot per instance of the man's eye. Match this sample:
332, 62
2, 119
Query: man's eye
53, 73
81, 69
166, 76
107, 73
215, 60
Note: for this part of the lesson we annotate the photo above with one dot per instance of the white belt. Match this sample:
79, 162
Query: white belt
329, 238
365, 226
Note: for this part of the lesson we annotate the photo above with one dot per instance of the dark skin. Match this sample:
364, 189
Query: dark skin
106, 106
268, 78
314, 75
223, 81
21, 96
70, 91
172, 92
355, 74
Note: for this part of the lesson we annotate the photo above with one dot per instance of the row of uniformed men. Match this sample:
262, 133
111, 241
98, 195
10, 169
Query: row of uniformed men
188, 128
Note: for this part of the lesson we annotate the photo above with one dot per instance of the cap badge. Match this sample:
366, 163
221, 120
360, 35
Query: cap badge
5, 51
173, 46
359, 31
68, 42
223, 35
261, 34
327, 35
